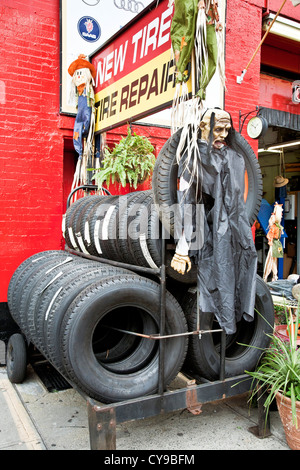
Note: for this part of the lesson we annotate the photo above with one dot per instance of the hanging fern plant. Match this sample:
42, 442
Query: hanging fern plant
131, 161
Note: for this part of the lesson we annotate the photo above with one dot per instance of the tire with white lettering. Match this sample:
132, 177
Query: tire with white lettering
96, 307
243, 348
164, 180
112, 243
28, 291
16, 276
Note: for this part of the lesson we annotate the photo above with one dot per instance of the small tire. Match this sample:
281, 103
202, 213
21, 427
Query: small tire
16, 358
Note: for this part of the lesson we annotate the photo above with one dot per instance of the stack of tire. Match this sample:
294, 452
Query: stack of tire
123, 228
96, 231
77, 313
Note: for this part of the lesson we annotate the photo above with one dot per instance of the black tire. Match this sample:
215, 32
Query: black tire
134, 351
164, 180
138, 236
46, 315
97, 216
82, 229
16, 358
68, 223
17, 273
147, 249
25, 270
28, 291
89, 201
47, 275
203, 356
84, 317
127, 217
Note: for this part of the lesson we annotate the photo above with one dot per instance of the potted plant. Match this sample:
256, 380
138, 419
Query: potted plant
131, 161
279, 374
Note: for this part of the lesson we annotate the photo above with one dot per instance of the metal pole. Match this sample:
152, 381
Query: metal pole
298, 233
241, 77
222, 355
161, 384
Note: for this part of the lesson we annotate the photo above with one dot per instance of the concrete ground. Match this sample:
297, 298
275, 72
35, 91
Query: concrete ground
32, 418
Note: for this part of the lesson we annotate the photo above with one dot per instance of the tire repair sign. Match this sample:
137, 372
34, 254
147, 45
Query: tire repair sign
135, 70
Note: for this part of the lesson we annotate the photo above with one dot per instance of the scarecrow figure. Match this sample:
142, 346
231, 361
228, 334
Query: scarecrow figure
83, 74
275, 246
225, 254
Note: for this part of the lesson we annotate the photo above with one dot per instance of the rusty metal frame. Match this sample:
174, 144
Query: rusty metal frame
103, 419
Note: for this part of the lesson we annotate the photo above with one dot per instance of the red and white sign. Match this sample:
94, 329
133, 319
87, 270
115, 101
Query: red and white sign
135, 71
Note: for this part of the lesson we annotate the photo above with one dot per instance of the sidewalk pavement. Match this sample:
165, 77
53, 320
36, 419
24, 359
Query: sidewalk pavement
31, 418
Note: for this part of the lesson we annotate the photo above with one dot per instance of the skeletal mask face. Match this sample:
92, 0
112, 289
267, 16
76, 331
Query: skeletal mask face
222, 125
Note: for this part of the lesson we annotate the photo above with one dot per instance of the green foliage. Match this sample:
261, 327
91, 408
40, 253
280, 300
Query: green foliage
131, 161
279, 369
281, 314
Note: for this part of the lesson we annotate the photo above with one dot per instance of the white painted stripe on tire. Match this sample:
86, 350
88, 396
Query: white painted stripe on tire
106, 222
96, 237
87, 233
144, 247
72, 239
81, 244
52, 302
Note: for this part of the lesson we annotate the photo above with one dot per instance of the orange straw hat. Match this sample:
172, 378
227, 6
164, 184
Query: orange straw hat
81, 63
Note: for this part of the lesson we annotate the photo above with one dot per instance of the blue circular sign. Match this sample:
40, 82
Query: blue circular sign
89, 29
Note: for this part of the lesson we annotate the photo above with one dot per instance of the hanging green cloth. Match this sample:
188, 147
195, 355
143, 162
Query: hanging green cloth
183, 37
183, 29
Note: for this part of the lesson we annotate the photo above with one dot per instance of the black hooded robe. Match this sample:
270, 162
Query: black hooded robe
227, 259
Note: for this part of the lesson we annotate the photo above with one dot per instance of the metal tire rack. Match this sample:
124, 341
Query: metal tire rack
103, 419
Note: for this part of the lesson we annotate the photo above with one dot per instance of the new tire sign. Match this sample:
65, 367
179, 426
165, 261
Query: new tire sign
135, 70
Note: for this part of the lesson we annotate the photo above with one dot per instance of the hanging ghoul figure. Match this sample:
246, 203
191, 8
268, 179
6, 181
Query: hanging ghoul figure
227, 259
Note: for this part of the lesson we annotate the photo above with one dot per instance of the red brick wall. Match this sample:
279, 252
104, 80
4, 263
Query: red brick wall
31, 156
243, 34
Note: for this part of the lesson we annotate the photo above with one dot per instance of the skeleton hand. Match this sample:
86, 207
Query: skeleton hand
179, 263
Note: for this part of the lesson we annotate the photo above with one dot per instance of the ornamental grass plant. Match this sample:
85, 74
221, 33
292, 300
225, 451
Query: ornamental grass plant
278, 371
